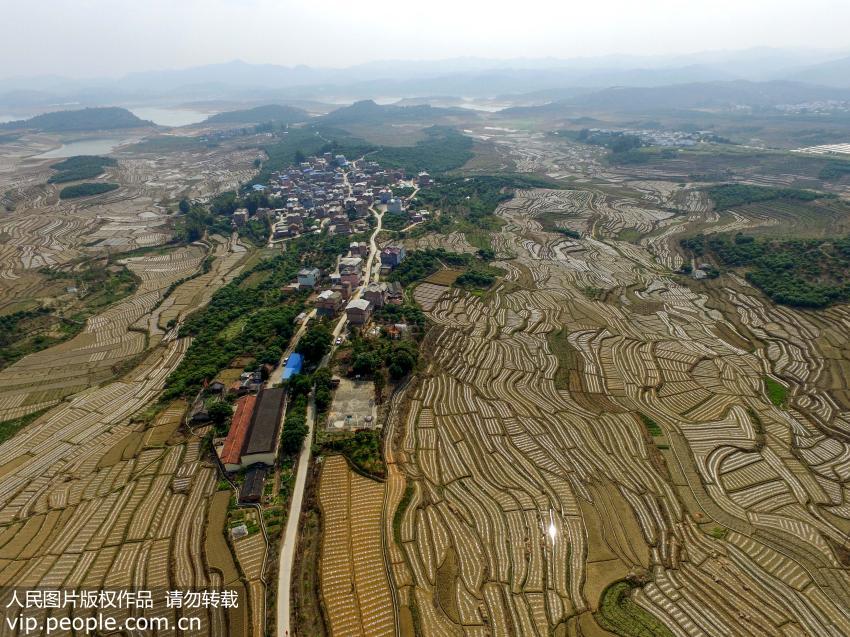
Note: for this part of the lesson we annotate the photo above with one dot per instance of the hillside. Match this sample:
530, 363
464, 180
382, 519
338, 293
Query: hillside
277, 113
694, 96
835, 73
87, 119
368, 112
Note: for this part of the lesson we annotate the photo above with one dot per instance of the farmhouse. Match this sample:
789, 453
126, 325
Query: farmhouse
252, 488
395, 293
328, 303
376, 294
240, 217
261, 446
391, 256
231, 452
358, 311
308, 277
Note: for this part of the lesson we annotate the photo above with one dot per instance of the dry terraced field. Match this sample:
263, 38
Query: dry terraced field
559, 442
123, 331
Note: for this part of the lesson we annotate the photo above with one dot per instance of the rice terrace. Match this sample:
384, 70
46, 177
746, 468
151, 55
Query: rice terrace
453, 344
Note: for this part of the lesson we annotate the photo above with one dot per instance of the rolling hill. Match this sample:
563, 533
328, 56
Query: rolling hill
694, 96
277, 113
87, 119
368, 112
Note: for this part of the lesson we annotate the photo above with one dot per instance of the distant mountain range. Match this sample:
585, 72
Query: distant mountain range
462, 77
87, 119
696, 96
710, 95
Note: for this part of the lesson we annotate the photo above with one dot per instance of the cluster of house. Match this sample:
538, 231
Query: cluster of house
316, 195
374, 296
339, 286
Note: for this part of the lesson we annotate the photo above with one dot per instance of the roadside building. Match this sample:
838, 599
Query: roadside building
376, 294
343, 288
350, 264
358, 311
261, 446
391, 256
351, 279
328, 303
308, 278
231, 452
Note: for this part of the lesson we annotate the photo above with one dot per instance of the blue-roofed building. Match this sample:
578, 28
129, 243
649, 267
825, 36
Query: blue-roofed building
293, 366
258, 187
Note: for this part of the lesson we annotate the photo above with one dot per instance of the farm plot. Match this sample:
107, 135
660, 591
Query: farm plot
427, 294
522, 492
354, 585
96, 497
452, 242
44, 231
110, 340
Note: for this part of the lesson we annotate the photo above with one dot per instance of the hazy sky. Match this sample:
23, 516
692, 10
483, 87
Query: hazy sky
84, 38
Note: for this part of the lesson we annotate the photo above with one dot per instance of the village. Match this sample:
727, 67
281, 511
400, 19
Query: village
331, 196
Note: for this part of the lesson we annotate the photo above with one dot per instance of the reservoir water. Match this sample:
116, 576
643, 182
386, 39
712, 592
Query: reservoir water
94, 146
169, 116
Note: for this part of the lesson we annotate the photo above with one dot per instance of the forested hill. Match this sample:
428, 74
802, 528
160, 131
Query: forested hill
368, 112
101, 118
260, 115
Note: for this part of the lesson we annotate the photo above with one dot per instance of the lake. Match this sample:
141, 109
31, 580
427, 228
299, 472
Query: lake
169, 116
94, 146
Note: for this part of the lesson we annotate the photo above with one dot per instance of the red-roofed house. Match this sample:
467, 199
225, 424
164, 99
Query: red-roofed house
231, 452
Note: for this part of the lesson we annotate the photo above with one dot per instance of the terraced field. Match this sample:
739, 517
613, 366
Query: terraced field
111, 341
561, 442
94, 494
354, 584
92, 498
100, 502
40, 230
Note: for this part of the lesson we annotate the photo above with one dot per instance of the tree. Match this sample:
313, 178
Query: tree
300, 157
292, 438
184, 206
400, 362
380, 383
315, 343
300, 385
219, 412
323, 398
365, 363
